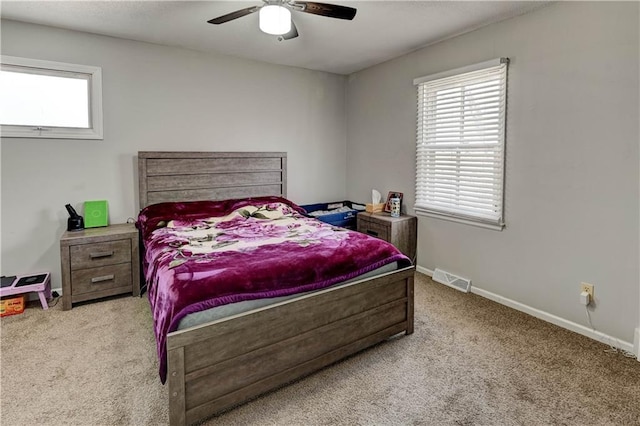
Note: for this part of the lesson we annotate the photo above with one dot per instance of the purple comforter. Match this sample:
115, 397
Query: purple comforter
200, 255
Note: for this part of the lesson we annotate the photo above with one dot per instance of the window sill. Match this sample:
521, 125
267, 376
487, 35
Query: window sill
492, 226
49, 133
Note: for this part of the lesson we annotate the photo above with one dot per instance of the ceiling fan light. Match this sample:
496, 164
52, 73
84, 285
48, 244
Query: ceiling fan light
275, 20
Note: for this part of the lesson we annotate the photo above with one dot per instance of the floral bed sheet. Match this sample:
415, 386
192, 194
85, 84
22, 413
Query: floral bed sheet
200, 255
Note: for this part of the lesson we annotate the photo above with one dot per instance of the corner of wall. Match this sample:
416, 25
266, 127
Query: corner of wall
636, 343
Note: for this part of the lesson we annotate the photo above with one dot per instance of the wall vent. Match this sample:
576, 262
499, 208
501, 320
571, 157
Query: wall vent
454, 281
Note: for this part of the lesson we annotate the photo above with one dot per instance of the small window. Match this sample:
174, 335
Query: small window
44, 99
461, 144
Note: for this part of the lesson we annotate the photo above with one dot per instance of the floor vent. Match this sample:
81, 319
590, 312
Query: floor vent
451, 280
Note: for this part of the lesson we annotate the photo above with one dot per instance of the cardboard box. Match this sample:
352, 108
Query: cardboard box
12, 305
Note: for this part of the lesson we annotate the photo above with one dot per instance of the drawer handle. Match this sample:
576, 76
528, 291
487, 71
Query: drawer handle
102, 278
101, 254
374, 233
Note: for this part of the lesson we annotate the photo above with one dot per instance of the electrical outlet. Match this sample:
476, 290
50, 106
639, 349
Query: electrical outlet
588, 288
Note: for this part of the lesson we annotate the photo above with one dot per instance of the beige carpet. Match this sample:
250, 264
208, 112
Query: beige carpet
469, 362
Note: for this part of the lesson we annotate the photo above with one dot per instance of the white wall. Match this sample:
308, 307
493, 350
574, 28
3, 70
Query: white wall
572, 171
161, 98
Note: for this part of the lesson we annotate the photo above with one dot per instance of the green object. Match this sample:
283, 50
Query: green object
96, 214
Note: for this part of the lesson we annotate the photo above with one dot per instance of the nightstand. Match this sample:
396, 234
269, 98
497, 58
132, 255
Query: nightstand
99, 262
400, 231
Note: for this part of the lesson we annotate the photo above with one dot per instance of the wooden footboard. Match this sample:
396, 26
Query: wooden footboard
221, 364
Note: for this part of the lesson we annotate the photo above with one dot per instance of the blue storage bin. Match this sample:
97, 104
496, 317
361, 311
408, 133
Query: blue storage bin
344, 219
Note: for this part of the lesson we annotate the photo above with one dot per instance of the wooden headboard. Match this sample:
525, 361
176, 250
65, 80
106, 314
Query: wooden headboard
193, 176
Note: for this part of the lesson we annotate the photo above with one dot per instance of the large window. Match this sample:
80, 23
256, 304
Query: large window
461, 144
44, 99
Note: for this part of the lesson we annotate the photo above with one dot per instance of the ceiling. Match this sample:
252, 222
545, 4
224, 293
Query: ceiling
381, 30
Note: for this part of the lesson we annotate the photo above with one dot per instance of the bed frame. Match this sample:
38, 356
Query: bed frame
218, 365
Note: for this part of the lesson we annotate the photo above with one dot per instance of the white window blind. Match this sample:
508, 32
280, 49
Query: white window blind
461, 144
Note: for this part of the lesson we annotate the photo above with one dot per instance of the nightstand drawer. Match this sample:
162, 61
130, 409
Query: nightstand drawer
100, 254
102, 278
374, 230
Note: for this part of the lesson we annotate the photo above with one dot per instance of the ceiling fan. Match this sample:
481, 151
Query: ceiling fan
275, 15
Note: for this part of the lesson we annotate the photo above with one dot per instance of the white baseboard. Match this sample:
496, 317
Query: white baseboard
424, 270
553, 319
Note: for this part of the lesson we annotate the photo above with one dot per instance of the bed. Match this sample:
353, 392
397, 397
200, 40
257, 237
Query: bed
219, 364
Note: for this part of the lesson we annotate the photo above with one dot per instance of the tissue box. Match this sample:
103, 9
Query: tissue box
374, 208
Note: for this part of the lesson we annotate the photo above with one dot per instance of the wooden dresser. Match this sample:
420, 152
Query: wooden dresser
99, 262
399, 231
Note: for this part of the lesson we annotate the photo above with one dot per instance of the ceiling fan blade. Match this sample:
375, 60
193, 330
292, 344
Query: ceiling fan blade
326, 9
293, 33
233, 15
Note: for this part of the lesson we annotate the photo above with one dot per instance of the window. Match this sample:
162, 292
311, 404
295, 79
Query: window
44, 99
460, 144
